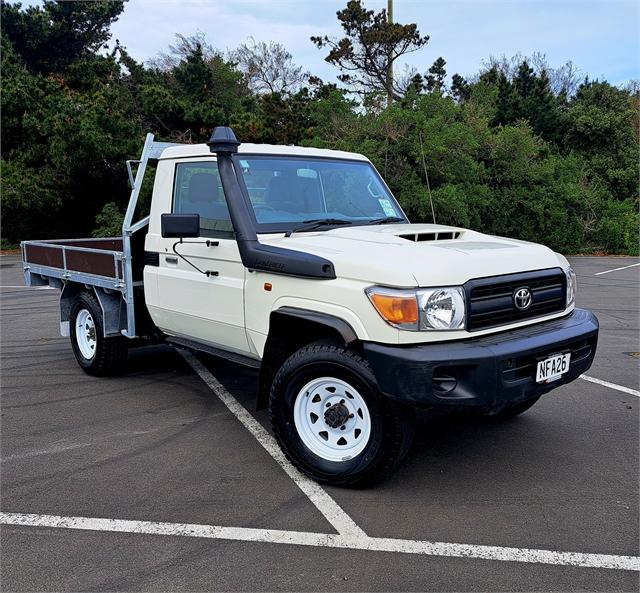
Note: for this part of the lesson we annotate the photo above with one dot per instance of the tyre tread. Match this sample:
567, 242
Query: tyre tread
111, 353
397, 420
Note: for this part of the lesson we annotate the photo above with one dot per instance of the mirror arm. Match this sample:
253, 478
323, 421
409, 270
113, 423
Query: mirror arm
208, 243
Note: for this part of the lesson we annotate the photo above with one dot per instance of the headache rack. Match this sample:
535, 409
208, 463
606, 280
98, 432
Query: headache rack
105, 263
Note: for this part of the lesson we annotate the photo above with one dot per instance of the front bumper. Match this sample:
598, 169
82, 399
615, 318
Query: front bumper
488, 372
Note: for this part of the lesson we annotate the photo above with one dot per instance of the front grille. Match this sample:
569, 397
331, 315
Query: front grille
490, 301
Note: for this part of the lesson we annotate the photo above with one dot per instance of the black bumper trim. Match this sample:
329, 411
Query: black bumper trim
486, 371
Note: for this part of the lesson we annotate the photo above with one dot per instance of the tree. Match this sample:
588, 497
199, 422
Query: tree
542, 108
369, 49
436, 75
601, 124
563, 80
460, 88
269, 67
505, 103
515, 150
526, 95
51, 37
182, 48
524, 80
188, 90
413, 89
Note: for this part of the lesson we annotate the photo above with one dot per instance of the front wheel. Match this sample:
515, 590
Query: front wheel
96, 354
331, 420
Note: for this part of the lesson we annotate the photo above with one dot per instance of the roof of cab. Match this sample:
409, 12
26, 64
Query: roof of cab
202, 150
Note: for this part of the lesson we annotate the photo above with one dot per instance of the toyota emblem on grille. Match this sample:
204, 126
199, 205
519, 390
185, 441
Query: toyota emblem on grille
522, 298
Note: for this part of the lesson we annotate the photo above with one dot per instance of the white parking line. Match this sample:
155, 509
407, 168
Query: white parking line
301, 538
611, 385
331, 510
616, 269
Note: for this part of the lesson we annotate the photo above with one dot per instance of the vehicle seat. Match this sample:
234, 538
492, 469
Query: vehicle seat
298, 195
309, 189
204, 198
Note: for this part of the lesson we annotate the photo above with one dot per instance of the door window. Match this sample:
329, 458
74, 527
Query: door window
198, 190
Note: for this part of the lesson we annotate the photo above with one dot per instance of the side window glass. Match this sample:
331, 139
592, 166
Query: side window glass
197, 190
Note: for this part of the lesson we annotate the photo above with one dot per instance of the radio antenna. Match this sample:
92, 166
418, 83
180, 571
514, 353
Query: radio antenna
426, 176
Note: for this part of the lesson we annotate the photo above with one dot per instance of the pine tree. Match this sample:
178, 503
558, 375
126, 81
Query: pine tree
460, 88
505, 102
436, 76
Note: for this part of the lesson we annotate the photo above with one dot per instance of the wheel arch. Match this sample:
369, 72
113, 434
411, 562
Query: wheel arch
113, 306
291, 328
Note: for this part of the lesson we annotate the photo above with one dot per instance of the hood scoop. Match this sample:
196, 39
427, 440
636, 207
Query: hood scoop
431, 236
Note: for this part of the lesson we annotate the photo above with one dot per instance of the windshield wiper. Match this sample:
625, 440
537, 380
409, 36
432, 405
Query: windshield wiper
386, 220
316, 223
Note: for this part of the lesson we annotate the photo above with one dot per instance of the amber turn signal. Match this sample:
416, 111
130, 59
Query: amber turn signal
396, 309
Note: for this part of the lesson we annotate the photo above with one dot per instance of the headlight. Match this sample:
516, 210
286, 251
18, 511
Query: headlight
420, 310
572, 286
441, 308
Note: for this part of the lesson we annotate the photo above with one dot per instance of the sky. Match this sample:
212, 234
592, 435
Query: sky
601, 37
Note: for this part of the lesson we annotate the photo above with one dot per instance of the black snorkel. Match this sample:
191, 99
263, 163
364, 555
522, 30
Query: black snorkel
256, 255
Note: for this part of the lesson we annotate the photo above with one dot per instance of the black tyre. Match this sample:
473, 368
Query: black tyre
96, 354
510, 412
331, 420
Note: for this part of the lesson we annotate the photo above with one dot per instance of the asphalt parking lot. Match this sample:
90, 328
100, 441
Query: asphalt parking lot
143, 454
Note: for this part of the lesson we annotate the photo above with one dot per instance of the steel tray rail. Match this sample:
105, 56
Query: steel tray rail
96, 262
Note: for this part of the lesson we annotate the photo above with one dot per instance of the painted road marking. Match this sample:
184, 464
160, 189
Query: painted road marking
24, 287
616, 269
331, 510
327, 540
350, 535
611, 385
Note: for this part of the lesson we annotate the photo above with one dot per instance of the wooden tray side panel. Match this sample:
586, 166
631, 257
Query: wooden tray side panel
45, 256
89, 262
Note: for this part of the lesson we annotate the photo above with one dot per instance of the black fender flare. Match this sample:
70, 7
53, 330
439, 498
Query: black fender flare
277, 349
336, 323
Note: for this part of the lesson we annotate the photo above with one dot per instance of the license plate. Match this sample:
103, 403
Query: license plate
552, 368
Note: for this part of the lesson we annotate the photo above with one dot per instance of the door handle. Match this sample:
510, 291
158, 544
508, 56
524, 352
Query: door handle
170, 260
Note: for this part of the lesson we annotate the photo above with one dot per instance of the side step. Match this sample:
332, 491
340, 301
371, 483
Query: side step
218, 352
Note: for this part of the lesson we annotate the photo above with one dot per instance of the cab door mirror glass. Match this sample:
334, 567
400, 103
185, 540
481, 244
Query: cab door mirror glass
180, 226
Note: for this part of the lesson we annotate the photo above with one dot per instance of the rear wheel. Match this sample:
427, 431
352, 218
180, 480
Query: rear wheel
331, 420
96, 354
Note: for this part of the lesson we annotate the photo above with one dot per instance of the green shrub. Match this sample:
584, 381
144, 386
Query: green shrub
109, 221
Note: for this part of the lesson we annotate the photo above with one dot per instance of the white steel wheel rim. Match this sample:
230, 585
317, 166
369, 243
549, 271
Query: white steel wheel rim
86, 337
332, 419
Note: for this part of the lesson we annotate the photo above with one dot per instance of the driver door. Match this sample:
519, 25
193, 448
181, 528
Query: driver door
209, 309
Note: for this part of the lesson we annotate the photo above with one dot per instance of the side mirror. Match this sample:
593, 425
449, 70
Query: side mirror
180, 226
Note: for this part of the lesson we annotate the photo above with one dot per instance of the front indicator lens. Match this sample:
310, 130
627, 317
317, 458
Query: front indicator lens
572, 286
441, 308
398, 308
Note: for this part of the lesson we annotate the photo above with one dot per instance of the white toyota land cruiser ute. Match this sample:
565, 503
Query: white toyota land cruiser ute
300, 262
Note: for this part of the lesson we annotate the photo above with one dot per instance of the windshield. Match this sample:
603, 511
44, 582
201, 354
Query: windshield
286, 191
